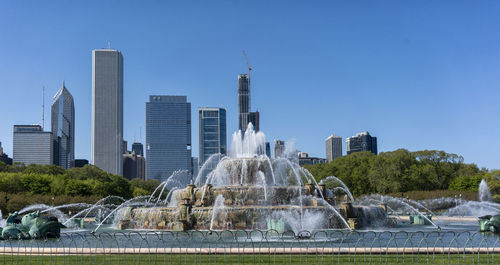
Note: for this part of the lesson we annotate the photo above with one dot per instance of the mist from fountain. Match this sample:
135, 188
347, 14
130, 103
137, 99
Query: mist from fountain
474, 208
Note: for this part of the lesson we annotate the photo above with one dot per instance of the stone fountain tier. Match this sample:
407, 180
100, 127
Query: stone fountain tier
233, 217
249, 195
246, 207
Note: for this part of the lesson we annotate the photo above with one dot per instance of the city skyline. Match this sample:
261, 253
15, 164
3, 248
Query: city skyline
415, 86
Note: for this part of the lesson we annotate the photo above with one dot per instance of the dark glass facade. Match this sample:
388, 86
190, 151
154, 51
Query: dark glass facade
213, 133
168, 136
138, 149
243, 101
361, 142
63, 128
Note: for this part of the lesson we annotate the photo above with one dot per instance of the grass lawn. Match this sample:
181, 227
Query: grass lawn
254, 259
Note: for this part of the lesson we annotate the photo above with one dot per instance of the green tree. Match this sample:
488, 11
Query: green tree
76, 187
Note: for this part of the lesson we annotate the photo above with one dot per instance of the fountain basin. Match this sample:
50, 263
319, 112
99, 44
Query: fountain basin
245, 207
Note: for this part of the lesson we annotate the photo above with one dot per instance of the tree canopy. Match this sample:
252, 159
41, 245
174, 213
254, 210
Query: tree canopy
85, 181
402, 171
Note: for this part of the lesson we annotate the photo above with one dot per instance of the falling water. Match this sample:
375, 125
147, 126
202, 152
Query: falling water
2, 221
325, 180
210, 163
98, 204
126, 203
217, 209
419, 205
390, 198
262, 177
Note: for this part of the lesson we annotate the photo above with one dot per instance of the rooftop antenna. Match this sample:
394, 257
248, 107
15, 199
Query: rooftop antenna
43, 107
109, 44
140, 134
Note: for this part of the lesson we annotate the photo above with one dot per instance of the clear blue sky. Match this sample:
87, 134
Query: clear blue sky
416, 74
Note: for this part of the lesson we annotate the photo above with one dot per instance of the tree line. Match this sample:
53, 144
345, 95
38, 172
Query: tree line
56, 181
402, 171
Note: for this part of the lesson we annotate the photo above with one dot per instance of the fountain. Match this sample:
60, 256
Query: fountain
247, 190
484, 191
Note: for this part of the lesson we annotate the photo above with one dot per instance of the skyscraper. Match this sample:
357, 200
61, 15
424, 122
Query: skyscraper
32, 145
268, 149
138, 149
63, 128
134, 166
279, 148
243, 101
168, 136
107, 110
213, 140
254, 118
361, 142
333, 147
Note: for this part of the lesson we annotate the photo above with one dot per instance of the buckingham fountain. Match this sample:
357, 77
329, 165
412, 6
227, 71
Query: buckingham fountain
247, 190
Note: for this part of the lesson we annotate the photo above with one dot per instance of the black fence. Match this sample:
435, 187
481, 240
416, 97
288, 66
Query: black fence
256, 247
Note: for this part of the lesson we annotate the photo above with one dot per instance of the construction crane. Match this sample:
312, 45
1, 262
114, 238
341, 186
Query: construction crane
248, 65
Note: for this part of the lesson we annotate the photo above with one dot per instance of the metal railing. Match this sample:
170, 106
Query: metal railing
256, 247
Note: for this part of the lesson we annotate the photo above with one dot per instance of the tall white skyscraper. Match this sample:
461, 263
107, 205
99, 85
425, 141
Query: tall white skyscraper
333, 147
107, 110
63, 128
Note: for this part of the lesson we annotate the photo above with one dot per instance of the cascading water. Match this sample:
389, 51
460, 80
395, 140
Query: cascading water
217, 211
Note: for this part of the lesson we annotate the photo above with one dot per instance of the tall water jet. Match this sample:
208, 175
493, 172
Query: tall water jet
248, 143
484, 191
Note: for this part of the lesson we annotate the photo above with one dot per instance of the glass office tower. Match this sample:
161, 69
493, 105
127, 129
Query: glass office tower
63, 128
213, 134
168, 136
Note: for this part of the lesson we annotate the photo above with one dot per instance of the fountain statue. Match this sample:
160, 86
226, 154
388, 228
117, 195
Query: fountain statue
246, 190
31, 226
